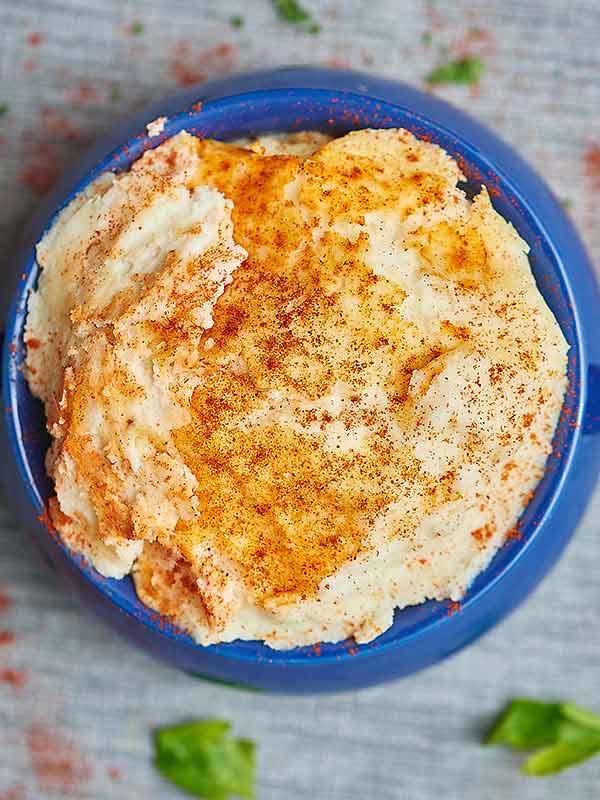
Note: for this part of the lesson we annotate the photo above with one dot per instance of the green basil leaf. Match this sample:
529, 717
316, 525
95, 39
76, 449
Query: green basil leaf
563, 734
202, 758
560, 756
581, 716
292, 11
527, 724
466, 70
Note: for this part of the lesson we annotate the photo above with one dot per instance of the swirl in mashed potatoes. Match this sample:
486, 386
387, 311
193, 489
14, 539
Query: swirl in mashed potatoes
291, 385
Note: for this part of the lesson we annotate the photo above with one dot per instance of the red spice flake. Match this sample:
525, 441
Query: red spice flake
55, 122
423, 561
85, 93
6, 637
479, 35
35, 39
189, 67
39, 177
14, 793
481, 534
454, 608
33, 343
44, 518
514, 533
43, 168
5, 602
436, 23
57, 763
506, 470
475, 40
352, 651
165, 623
114, 774
186, 75
591, 162
426, 137
527, 498
335, 62
13, 677
224, 50
316, 649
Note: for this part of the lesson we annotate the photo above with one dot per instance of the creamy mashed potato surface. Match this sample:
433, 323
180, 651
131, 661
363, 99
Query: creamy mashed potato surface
291, 385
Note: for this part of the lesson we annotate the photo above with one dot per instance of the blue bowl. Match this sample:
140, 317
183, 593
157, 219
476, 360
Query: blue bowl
294, 99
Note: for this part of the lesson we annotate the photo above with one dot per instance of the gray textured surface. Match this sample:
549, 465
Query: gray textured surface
413, 740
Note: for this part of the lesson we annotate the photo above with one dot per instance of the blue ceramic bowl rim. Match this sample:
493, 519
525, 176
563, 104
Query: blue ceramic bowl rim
255, 651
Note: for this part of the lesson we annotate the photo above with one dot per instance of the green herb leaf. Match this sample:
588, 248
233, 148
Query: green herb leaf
292, 11
581, 716
526, 724
137, 28
427, 38
114, 94
202, 758
236, 21
575, 743
466, 70
565, 734
3, 109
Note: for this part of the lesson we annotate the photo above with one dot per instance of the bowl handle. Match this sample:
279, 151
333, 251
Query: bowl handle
591, 418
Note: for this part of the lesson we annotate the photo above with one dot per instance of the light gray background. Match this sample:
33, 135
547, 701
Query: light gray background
416, 739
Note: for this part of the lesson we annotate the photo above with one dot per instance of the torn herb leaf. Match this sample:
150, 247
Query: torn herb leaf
204, 759
466, 71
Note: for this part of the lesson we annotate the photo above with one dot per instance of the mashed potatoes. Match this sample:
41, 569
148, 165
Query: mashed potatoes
291, 385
